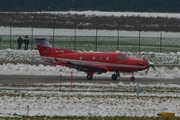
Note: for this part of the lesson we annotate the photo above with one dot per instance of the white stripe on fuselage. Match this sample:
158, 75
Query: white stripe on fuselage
94, 63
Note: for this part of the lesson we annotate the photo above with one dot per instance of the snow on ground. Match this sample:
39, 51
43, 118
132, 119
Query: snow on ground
46, 100
27, 69
100, 13
87, 103
33, 56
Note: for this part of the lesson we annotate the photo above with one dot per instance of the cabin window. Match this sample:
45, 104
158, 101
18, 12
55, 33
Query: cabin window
107, 58
100, 58
93, 58
80, 58
86, 58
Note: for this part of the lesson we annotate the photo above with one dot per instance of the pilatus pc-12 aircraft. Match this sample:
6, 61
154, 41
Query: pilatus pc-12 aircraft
91, 62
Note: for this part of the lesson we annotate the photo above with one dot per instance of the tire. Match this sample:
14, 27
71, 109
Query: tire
114, 77
132, 78
89, 77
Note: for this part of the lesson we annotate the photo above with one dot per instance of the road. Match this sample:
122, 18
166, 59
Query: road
31, 79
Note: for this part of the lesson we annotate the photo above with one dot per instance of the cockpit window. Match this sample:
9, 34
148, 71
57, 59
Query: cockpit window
121, 57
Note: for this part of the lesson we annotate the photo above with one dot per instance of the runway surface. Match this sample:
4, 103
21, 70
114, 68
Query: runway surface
32, 79
29, 79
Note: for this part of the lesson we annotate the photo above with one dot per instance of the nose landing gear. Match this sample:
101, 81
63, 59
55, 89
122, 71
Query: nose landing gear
132, 78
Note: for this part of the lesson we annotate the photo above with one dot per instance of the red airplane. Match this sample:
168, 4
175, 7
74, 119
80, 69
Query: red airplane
91, 62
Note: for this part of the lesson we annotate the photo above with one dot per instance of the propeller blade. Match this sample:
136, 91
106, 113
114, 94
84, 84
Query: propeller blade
150, 64
147, 69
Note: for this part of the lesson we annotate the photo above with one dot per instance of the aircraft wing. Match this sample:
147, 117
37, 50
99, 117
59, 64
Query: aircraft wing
82, 66
87, 66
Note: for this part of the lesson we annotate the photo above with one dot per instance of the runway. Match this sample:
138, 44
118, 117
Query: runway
31, 79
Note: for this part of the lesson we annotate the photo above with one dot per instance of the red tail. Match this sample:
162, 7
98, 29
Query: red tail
45, 48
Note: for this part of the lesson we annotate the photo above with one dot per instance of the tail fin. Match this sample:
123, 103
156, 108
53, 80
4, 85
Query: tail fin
43, 42
46, 49
44, 46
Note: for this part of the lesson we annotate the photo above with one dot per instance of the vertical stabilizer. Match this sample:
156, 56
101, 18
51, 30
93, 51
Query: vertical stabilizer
43, 42
46, 49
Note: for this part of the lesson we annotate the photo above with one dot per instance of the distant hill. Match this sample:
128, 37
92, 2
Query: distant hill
83, 21
171, 6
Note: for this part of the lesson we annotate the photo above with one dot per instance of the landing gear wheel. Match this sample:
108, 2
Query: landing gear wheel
114, 77
132, 78
89, 77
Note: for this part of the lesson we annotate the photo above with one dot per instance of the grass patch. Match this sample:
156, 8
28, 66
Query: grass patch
103, 43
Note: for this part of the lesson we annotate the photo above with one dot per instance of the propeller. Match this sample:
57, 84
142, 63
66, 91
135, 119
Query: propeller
150, 64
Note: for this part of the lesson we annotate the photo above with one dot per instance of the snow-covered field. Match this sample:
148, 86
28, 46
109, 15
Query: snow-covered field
24, 56
100, 13
87, 99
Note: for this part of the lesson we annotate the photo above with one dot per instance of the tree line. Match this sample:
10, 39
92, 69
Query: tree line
82, 21
81, 5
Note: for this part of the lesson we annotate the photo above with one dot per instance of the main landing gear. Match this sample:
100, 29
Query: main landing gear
114, 76
117, 74
89, 77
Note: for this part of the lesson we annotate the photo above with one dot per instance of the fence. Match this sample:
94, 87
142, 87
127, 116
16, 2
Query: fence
95, 40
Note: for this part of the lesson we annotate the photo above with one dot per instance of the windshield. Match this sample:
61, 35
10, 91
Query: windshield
121, 57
